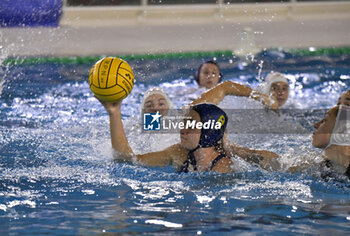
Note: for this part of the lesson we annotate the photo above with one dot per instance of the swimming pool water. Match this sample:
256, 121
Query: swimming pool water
57, 175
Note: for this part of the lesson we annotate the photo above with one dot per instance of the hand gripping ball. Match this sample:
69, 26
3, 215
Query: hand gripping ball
111, 79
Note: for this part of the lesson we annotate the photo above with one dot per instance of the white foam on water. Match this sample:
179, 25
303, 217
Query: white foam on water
165, 223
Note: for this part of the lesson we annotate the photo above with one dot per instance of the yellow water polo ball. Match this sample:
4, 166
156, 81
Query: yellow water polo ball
111, 79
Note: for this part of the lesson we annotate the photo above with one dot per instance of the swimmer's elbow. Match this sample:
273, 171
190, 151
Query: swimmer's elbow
267, 154
274, 155
236, 89
123, 156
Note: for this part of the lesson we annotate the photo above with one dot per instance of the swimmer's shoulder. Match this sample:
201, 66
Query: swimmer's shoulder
177, 153
224, 165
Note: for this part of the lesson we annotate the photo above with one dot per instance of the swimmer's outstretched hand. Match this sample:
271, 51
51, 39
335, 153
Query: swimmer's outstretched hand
111, 107
270, 103
270, 160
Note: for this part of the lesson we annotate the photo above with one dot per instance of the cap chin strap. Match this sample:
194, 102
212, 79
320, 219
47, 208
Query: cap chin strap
192, 159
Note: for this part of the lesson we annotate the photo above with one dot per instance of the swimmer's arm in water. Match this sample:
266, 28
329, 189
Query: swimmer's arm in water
217, 94
120, 144
266, 159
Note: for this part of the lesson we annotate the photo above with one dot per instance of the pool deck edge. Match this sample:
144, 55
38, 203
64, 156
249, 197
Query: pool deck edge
242, 29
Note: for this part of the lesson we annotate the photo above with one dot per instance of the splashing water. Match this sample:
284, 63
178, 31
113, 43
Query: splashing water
3, 56
259, 71
57, 174
247, 43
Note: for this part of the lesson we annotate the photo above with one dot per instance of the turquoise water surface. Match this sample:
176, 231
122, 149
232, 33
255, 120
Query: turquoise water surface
57, 175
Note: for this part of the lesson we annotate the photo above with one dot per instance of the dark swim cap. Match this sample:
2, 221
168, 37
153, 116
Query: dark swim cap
196, 75
210, 112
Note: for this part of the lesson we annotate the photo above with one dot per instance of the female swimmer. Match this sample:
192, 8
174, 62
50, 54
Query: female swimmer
155, 99
199, 149
332, 134
276, 85
208, 75
216, 95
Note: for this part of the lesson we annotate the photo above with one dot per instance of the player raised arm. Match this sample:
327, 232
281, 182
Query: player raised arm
217, 94
123, 150
118, 138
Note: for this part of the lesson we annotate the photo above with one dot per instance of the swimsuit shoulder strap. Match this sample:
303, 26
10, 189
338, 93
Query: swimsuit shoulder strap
191, 160
218, 158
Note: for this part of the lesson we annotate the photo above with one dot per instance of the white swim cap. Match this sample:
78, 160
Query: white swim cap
156, 90
271, 78
341, 131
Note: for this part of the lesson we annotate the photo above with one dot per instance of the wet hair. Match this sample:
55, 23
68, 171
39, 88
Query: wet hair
196, 75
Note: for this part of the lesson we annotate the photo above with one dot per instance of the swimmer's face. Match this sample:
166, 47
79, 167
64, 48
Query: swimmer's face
280, 91
190, 137
344, 99
209, 75
323, 129
156, 102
